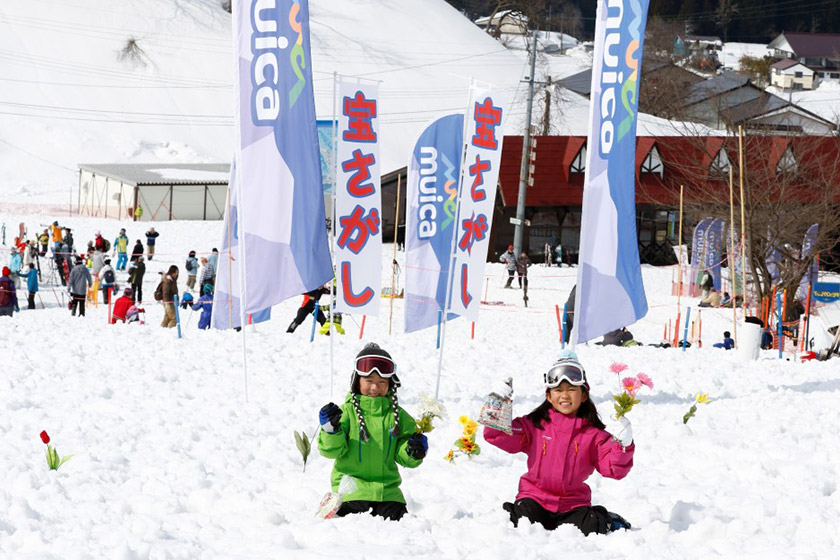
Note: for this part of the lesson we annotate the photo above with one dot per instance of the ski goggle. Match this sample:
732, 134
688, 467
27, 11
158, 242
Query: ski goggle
573, 373
381, 365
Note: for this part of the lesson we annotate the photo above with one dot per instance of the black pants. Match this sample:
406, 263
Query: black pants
77, 300
306, 310
106, 294
522, 278
31, 300
588, 519
138, 292
389, 510
510, 278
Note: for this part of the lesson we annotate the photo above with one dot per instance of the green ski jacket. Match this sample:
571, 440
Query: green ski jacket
373, 464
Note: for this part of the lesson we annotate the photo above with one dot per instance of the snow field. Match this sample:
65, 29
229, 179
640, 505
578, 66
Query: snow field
170, 462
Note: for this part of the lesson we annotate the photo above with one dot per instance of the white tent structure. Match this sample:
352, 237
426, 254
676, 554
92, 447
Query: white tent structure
171, 191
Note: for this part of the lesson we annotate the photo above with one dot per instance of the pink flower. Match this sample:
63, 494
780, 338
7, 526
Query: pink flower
617, 367
631, 385
645, 380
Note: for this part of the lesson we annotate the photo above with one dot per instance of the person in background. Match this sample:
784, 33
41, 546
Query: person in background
138, 213
121, 306
68, 239
8, 294
78, 284
44, 240
151, 239
15, 265
208, 274
191, 267
558, 255
169, 290
99, 242
121, 249
31, 276
137, 251
522, 264
135, 278
547, 254
205, 305
56, 237
707, 283
727, 344
214, 259
107, 281
509, 259
713, 299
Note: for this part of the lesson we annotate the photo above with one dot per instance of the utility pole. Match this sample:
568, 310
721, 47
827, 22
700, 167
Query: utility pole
519, 222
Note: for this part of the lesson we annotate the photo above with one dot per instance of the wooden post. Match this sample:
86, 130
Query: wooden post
394, 258
732, 272
743, 224
679, 244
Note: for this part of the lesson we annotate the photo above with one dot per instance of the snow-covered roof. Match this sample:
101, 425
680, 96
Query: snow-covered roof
163, 174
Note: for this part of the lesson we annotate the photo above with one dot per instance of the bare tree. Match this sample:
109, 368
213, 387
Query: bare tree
726, 10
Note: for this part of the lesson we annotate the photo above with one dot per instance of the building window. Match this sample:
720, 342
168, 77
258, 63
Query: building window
797, 74
579, 163
720, 165
835, 76
787, 163
653, 163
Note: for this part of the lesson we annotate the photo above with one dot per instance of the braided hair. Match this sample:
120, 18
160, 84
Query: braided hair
373, 349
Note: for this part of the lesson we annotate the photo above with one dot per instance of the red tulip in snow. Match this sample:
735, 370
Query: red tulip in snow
53, 460
44, 437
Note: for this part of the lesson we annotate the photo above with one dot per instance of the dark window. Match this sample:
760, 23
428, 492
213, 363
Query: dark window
579, 163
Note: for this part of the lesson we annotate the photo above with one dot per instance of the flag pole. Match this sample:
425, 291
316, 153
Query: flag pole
333, 225
449, 271
243, 297
394, 259
230, 262
732, 272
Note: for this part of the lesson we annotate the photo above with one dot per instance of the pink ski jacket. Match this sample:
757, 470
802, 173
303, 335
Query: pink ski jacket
561, 456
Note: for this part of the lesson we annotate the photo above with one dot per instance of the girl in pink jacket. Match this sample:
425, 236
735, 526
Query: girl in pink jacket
565, 441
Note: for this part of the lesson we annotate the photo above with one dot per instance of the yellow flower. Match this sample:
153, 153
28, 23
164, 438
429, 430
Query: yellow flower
469, 429
449, 456
702, 398
464, 420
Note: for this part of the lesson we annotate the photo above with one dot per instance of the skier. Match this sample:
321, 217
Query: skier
135, 278
15, 264
168, 290
108, 281
137, 251
565, 441
522, 264
727, 344
44, 240
121, 306
369, 435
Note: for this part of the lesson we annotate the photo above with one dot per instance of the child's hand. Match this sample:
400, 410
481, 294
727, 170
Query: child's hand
622, 431
417, 446
330, 418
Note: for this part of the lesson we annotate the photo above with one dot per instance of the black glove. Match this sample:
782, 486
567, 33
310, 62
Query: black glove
330, 418
417, 446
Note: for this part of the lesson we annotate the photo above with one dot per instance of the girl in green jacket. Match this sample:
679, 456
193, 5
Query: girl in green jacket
369, 435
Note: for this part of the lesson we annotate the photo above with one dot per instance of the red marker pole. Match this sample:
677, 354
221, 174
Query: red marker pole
362, 330
559, 322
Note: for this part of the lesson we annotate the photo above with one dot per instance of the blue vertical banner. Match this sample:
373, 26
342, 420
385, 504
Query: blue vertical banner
477, 196
810, 277
610, 292
713, 253
281, 204
358, 201
698, 241
431, 202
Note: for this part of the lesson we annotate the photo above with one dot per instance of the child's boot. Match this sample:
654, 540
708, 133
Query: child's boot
337, 323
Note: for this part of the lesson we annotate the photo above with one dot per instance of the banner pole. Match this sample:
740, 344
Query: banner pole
732, 272
449, 271
243, 292
333, 224
230, 263
394, 257
685, 332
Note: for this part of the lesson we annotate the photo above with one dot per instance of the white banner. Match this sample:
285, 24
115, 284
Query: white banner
477, 195
358, 201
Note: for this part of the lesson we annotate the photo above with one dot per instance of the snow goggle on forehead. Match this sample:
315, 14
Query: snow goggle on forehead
383, 366
573, 373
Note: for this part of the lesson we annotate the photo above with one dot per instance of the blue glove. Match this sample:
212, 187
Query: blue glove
417, 446
330, 418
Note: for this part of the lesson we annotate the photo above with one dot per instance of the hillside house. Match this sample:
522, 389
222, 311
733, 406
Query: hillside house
818, 51
791, 74
505, 21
